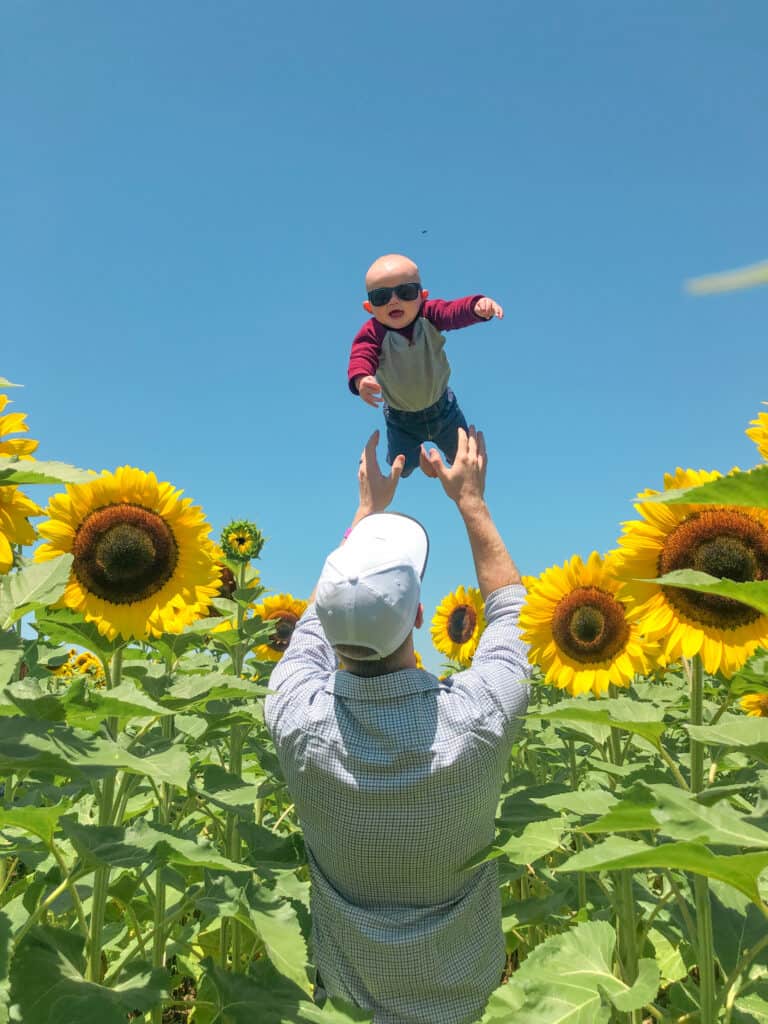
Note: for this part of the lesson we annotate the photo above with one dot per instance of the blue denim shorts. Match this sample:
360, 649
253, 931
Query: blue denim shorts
439, 423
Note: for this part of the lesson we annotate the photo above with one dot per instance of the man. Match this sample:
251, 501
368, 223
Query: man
395, 775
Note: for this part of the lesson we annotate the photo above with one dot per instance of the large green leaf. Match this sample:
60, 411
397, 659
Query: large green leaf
633, 813
681, 816
141, 844
48, 986
268, 851
743, 487
264, 913
738, 732
64, 626
29, 471
228, 791
26, 745
536, 840
35, 586
740, 870
40, 821
567, 979
602, 714
11, 654
264, 997
86, 707
753, 594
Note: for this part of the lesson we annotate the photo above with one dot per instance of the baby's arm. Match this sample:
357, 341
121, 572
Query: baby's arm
457, 313
363, 363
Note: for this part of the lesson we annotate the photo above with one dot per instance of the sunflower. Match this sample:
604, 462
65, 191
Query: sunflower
419, 661
15, 528
579, 631
458, 624
242, 540
285, 611
81, 663
14, 423
755, 704
141, 553
725, 541
759, 432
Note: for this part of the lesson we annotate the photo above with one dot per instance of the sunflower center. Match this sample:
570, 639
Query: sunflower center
589, 625
124, 553
285, 623
726, 543
461, 623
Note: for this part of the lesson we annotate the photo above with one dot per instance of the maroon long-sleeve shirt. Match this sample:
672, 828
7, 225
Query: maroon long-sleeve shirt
415, 349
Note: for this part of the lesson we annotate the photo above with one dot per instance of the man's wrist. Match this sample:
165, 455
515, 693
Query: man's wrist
472, 508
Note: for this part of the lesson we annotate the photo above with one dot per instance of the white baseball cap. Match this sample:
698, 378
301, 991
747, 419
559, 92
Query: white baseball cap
368, 592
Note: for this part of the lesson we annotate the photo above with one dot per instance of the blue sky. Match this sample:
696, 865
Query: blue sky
190, 195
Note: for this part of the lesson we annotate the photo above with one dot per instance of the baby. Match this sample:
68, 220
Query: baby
398, 358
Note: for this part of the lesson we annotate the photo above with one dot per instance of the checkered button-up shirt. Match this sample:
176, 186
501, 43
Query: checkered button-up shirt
396, 780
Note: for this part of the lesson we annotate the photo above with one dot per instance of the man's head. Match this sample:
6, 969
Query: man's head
386, 305
367, 597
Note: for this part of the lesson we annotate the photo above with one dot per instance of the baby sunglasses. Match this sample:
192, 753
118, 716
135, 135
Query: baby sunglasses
405, 292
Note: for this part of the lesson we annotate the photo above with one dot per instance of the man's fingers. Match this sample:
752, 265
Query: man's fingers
397, 468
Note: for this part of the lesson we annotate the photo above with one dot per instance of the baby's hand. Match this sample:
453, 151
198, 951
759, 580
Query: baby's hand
486, 308
369, 390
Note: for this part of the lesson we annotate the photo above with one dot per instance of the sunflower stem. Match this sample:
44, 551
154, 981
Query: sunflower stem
158, 935
236, 740
112, 674
705, 942
626, 919
581, 878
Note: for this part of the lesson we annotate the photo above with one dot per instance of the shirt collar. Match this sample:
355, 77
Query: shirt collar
386, 687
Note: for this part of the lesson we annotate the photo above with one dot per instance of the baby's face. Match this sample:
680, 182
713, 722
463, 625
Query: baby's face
394, 308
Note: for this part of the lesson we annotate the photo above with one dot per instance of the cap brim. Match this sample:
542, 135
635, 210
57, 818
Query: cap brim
403, 534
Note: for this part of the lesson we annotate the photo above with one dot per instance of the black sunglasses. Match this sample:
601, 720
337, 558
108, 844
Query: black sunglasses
406, 292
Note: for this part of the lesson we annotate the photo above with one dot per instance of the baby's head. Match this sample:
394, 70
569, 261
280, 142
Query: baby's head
387, 276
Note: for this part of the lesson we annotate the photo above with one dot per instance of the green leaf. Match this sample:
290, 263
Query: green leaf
583, 802
671, 964
86, 707
537, 840
601, 714
228, 791
30, 471
633, 813
140, 844
266, 850
40, 821
11, 654
262, 995
738, 732
740, 870
26, 745
64, 626
5, 383
744, 487
681, 816
35, 586
48, 986
751, 593
565, 978
265, 914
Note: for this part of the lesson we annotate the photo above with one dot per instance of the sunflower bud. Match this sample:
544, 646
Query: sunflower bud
242, 540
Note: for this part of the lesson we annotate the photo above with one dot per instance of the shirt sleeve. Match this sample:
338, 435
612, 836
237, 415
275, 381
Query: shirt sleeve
364, 357
302, 672
453, 314
500, 666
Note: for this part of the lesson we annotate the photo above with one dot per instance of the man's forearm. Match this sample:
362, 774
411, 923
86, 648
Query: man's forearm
493, 564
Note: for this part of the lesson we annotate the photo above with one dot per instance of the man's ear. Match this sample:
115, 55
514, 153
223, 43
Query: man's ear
368, 307
424, 294
419, 616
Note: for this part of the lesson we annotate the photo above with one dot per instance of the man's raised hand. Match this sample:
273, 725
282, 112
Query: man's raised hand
464, 481
376, 490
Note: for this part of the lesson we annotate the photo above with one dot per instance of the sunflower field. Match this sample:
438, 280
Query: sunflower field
152, 867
